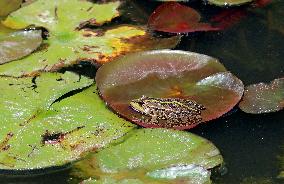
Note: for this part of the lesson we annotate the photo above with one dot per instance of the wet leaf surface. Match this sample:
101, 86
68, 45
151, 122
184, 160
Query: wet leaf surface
263, 98
228, 2
176, 18
18, 44
69, 43
168, 74
8, 6
61, 133
22, 99
153, 156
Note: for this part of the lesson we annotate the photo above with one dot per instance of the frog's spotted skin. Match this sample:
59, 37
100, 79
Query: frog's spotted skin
168, 112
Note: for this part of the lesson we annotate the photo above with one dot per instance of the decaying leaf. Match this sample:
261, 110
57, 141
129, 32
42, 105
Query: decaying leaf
69, 42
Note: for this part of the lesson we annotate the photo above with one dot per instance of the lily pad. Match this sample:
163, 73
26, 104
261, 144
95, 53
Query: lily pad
54, 15
191, 174
68, 43
168, 74
7, 6
86, 45
62, 133
18, 44
228, 17
228, 2
153, 156
262, 3
23, 98
263, 98
173, 17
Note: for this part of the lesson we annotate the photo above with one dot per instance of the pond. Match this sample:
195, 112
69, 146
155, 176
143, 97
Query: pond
252, 49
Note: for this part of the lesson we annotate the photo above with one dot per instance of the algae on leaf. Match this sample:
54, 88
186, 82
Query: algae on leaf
18, 44
153, 156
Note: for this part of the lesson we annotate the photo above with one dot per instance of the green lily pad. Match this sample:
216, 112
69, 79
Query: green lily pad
18, 44
86, 45
171, 75
68, 44
7, 6
109, 180
192, 174
23, 99
263, 98
62, 133
153, 156
228, 2
55, 16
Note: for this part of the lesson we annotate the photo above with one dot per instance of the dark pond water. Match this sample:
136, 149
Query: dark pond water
252, 50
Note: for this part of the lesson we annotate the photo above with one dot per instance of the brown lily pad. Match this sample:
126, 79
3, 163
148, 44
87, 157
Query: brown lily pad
7, 6
263, 98
173, 76
18, 44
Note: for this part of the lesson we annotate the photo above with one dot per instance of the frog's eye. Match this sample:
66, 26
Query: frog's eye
140, 103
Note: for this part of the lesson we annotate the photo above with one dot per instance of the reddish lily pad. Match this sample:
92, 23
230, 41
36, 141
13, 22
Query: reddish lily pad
18, 44
228, 17
168, 74
262, 3
263, 98
173, 17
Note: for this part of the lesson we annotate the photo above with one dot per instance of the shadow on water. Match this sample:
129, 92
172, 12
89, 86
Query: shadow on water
250, 144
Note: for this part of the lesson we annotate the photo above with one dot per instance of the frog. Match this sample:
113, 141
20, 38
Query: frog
168, 112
